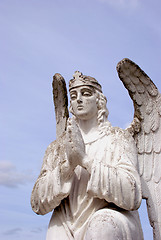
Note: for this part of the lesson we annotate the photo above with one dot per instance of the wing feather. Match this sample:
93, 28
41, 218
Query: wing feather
149, 106
140, 88
131, 87
141, 142
141, 163
157, 168
148, 143
145, 81
157, 141
155, 119
147, 123
148, 167
147, 103
61, 103
152, 90
138, 99
135, 80
159, 104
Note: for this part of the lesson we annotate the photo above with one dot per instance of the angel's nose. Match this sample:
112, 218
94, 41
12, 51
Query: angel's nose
79, 98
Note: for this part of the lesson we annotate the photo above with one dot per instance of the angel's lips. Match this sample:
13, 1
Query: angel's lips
80, 107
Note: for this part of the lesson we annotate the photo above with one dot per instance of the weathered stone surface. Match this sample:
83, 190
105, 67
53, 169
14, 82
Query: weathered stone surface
90, 174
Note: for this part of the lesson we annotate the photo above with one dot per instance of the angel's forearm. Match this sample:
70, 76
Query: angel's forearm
117, 185
128, 195
49, 190
44, 198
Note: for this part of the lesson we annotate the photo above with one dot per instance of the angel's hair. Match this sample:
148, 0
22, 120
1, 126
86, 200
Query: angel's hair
102, 113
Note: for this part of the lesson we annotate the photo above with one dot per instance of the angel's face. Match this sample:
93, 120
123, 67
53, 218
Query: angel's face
83, 102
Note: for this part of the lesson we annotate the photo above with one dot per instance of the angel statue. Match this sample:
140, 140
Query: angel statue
94, 176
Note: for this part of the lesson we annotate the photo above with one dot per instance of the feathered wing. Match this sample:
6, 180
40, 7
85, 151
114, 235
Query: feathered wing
61, 103
147, 104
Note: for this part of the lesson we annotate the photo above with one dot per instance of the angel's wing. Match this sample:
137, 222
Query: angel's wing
61, 103
147, 103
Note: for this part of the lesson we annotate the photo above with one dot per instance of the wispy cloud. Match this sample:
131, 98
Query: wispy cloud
15, 233
12, 231
40, 229
37, 230
10, 177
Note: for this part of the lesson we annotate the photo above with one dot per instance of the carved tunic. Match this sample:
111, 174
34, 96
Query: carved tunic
112, 183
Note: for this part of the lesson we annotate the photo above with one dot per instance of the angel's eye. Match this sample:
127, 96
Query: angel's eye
73, 96
87, 93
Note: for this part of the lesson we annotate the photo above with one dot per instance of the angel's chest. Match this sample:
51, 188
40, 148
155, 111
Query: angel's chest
102, 151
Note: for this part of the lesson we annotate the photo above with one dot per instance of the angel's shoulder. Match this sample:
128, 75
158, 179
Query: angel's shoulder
119, 132
120, 135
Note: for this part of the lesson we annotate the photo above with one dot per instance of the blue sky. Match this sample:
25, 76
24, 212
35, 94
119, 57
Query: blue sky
40, 38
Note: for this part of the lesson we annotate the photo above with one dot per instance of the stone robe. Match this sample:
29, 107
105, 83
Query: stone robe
106, 196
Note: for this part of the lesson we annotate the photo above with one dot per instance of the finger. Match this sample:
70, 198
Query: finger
73, 122
69, 120
69, 129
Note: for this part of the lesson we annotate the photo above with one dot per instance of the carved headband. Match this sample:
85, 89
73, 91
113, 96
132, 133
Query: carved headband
81, 80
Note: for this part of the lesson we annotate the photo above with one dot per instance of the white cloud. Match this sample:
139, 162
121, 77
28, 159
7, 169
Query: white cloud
6, 166
15, 233
39, 229
12, 231
10, 177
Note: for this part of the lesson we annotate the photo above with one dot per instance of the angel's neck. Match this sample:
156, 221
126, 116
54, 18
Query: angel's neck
88, 128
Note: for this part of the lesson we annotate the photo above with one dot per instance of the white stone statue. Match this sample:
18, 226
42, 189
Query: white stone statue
92, 174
